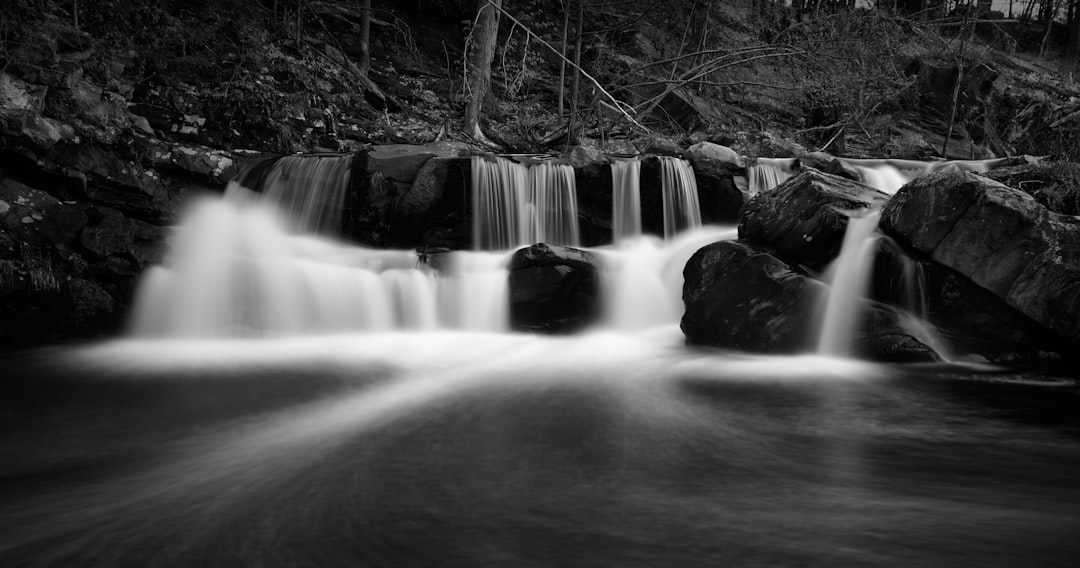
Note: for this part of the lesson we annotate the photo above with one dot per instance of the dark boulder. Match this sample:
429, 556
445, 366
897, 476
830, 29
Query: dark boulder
804, 218
739, 296
553, 289
830, 165
1000, 238
971, 320
714, 169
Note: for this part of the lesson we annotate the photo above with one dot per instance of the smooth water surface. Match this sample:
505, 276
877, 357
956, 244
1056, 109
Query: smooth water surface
475, 450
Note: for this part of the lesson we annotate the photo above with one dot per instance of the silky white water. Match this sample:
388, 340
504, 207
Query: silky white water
626, 199
848, 279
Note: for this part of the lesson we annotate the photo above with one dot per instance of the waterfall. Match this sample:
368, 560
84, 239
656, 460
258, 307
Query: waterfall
499, 198
642, 280
515, 205
252, 265
626, 199
553, 195
310, 189
885, 178
850, 274
767, 173
680, 196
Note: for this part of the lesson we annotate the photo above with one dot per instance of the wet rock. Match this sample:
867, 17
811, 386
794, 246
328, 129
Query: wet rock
830, 165
111, 235
740, 296
426, 190
402, 162
553, 289
662, 147
23, 211
970, 319
198, 162
90, 301
804, 218
136, 190
703, 152
1000, 238
20, 115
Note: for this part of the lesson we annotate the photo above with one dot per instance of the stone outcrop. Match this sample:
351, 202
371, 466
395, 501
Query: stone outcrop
714, 169
805, 217
740, 296
553, 289
972, 321
1000, 238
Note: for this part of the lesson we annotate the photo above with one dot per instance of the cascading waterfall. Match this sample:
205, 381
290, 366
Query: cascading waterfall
248, 265
311, 188
848, 277
553, 196
626, 199
499, 198
641, 281
887, 175
767, 173
515, 205
240, 266
680, 195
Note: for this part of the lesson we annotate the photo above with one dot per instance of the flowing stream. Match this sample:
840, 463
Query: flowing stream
287, 399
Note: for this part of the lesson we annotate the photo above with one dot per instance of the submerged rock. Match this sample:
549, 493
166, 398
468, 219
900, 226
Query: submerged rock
1000, 238
805, 217
739, 296
553, 289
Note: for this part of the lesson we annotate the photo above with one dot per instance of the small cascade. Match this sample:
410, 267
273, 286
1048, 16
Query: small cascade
850, 274
767, 173
310, 189
499, 198
553, 196
515, 205
681, 208
626, 199
235, 271
642, 280
884, 177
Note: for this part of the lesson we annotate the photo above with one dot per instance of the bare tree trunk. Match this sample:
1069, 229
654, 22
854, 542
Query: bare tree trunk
1073, 51
299, 23
1051, 10
75, 13
577, 57
562, 61
483, 53
365, 36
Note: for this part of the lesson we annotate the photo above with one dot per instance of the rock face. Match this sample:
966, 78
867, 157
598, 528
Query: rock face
1000, 238
971, 320
805, 217
739, 296
714, 169
553, 289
